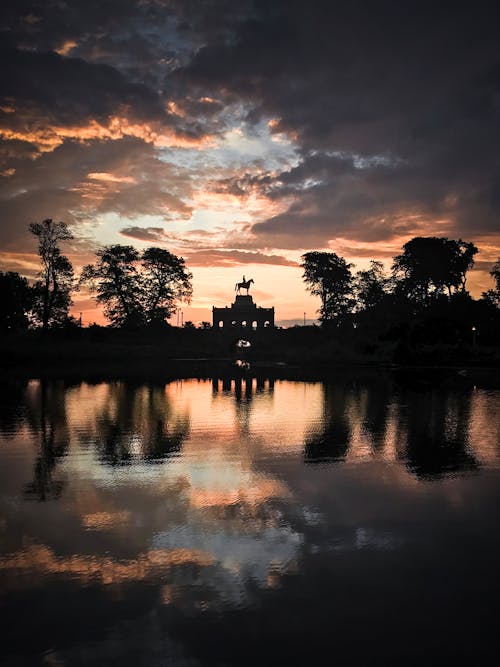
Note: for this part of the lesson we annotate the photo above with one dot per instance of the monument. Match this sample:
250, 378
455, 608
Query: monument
243, 313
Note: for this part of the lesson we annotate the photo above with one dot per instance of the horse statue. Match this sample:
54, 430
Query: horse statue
245, 284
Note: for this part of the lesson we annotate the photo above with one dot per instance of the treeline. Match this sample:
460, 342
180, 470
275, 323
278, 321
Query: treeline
420, 305
422, 299
134, 289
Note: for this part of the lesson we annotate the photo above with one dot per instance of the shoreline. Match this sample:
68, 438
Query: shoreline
224, 368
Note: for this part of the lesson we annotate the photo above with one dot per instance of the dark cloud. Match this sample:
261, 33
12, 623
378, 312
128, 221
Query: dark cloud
70, 90
234, 258
393, 108
77, 183
149, 234
414, 82
206, 256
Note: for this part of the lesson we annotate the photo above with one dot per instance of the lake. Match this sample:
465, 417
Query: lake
249, 522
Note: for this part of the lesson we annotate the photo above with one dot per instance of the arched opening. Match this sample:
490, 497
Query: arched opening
254, 324
221, 324
267, 324
233, 323
244, 323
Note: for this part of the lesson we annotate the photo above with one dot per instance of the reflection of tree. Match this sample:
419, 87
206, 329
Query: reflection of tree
376, 400
331, 443
137, 422
12, 407
47, 418
437, 433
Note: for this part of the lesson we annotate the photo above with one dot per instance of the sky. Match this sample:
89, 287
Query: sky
240, 134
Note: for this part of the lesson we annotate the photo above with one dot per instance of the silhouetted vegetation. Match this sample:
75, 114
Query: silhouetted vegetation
329, 276
137, 290
16, 300
493, 295
52, 293
418, 314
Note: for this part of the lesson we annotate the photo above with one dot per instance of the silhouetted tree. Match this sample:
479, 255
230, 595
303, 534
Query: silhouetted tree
116, 281
52, 293
16, 300
493, 295
165, 280
137, 290
429, 265
329, 276
371, 285
331, 441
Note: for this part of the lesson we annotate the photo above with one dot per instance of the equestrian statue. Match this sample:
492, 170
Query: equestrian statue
245, 284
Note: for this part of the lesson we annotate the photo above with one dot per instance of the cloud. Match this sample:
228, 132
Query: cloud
78, 183
207, 256
234, 258
391, 86
153, 234
381, 122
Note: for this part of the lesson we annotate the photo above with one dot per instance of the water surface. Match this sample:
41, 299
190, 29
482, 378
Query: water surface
223, 522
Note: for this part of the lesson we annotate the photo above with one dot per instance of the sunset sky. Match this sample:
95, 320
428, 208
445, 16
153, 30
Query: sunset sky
241, 134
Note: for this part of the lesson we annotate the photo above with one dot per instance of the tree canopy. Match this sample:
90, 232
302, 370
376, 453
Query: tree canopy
52, 293
428, 265
329, 276
167, 281
493, 295
371, 285
137, 289
16, 301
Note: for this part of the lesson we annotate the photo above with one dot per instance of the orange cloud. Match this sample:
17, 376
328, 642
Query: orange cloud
252, 495
66, 47
40, 559
106, 176
105, 520
48, 138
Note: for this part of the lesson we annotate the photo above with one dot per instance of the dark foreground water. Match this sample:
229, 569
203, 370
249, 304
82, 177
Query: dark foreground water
249, 523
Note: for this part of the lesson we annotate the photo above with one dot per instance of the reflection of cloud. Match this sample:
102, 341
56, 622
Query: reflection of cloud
40, 560
241, 556
105, 520
255, 492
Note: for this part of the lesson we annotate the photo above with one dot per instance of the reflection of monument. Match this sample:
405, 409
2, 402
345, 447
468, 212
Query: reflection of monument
243, 312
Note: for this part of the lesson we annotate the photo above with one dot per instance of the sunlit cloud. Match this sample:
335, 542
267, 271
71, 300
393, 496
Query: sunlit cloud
48, 138
66, 47
40, 560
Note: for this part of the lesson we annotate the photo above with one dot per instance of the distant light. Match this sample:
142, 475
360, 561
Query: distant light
243, 343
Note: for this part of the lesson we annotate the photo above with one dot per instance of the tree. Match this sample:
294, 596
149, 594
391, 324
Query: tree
137, 290
53, 290
429, 265
16, 300
165, 280
329, 276
371, 285
495, 274
116, 281
493, 295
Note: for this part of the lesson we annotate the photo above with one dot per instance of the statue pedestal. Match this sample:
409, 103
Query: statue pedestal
244, 301
243, 314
